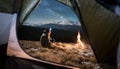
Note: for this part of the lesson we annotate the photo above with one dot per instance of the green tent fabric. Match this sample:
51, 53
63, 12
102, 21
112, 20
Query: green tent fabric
26, 8
103, 28
9, 6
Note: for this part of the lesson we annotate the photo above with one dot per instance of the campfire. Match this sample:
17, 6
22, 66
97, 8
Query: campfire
79, 42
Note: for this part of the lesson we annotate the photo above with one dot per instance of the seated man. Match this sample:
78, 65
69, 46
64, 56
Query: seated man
45, 38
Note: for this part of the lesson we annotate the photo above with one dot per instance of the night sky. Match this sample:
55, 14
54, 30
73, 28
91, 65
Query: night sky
51, 11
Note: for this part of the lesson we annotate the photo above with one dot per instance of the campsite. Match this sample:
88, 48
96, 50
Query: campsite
65, 50
59, 34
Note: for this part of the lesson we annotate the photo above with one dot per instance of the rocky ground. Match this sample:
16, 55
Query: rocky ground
72, 54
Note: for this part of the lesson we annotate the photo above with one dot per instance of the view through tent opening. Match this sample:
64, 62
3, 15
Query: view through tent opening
52, 32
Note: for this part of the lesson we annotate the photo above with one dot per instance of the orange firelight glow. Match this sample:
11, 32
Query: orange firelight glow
79, 41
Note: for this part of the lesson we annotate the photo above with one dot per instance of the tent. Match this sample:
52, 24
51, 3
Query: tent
100, 26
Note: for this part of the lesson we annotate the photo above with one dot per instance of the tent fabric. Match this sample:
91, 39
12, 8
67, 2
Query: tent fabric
6, 6
118, 56
112, 5
5, 24
21, 63
103, 28
3, 49
109, 4
9, 6
26, 8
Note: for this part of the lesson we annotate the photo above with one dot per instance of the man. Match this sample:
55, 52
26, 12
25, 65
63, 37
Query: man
45, 38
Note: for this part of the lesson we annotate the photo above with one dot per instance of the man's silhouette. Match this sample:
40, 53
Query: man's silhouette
45, 38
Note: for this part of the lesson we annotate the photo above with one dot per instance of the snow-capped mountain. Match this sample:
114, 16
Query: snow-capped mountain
68, 22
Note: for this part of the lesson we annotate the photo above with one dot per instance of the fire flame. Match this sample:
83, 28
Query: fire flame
79, 41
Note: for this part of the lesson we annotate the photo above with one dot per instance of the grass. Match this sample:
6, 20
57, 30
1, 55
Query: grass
62, 53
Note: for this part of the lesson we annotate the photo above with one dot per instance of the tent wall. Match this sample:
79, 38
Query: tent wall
5, 24
26, 8
7, 6
103, 28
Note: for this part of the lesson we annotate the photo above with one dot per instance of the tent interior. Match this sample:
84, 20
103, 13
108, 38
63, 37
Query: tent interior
80, 34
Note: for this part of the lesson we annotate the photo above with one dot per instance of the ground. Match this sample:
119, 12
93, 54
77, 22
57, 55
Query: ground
71, 54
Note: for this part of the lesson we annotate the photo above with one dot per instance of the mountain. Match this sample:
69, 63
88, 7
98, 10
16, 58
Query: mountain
72, 28
34, 34
68, 22
64, 25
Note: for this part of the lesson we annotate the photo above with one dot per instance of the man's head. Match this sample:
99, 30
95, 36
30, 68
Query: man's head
47, 31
